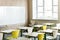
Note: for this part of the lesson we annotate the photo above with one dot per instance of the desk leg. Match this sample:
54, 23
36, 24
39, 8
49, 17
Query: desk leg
45, 36
4, 36
34, 38
21, 33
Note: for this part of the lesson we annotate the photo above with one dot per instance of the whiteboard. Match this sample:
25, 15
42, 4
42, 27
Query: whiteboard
12, 15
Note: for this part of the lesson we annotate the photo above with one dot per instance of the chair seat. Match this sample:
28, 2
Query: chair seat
14, 34
9, 37
50, 37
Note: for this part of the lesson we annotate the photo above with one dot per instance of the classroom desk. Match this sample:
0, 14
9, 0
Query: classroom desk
46, 31
37, 27
24, 28
33, 34
6, 32
49, 24
57, 28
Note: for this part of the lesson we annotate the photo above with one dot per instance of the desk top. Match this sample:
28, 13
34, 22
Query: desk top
58, 28
7, 31
37, 25
48, 31
25, 27
34, 34
48, 23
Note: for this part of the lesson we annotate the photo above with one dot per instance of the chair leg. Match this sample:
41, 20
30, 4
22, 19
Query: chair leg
47, 39
58, 38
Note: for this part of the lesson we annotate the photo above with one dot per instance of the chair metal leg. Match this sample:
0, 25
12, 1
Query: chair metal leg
58, 38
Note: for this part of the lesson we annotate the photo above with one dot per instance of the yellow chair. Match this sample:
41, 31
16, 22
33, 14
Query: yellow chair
44, 27
41, 36
15, 34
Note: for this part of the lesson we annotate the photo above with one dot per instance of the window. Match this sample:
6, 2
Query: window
45, 9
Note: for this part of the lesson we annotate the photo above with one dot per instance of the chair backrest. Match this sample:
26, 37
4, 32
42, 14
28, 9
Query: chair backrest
55, 33
30, 29
40, 36
58, 25
15, 33
44, 27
